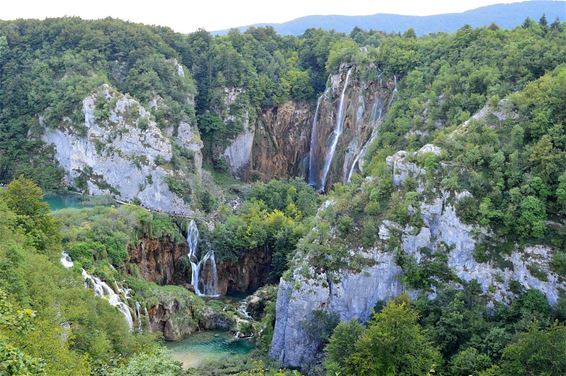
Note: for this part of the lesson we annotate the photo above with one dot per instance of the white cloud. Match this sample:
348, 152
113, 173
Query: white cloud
188, 15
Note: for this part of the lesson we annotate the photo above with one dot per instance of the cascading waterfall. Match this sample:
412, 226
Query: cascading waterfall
243, 310
66, 260
101, 289
209, 286
335, 134
376, 116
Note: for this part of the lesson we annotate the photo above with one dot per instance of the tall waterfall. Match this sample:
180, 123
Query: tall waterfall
209, 285
375, 121
313, 168
335, 134
101, 289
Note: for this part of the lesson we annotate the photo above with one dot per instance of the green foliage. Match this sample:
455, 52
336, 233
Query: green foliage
100, 236
180, 187
16, 322
46, 304
340, 346
469, 362
343, 50
272, 218
23, 197
320, 325
157, 362
538, 352
394, 344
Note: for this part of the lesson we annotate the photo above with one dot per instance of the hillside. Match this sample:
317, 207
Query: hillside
504, 15
354, 204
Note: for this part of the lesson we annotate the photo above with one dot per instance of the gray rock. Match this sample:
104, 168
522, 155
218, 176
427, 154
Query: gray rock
355, 294
117, 155
353, 297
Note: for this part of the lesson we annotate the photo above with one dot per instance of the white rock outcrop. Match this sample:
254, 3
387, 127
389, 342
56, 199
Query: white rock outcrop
122, 154
355, 294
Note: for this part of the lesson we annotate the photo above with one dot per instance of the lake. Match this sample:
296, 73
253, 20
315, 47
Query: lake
58, 201
204, 347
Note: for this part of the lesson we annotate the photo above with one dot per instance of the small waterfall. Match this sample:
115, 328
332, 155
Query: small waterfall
138, 316
336, 134
66, 260
209, 286
243, 310
102, 290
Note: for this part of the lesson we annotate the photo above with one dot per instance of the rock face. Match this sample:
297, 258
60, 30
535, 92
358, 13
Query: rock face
248, 273
296, 138
281, 142
121, 151
158, 260
353, 295
363, 103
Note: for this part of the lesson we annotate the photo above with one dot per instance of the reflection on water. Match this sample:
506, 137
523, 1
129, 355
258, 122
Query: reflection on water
204, 347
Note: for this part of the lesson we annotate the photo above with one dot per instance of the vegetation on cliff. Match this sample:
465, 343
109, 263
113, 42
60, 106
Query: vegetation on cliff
493, 100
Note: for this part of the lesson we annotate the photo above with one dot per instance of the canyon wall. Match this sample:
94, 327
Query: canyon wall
353, 294
323, 141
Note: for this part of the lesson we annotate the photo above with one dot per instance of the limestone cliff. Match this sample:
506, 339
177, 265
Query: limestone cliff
120, 150
346, 120
159, 260
281, 141
323, 141
246, 274
353, 294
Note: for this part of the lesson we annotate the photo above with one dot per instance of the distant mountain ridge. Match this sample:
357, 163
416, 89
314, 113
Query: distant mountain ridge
504, 15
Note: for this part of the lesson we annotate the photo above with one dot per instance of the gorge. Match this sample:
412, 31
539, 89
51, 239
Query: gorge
317, 204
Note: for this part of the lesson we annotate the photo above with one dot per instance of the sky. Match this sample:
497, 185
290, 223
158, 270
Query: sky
188, 15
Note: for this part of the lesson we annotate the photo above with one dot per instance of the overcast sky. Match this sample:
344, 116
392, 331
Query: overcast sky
188, 15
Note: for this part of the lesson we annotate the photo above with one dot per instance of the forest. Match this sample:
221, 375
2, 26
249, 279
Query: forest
492, 100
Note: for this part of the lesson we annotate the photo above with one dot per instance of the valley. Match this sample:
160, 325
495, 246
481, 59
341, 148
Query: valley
258, 204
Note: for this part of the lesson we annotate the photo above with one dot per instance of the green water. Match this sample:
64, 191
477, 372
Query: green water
62, 201
204, 347
77, 201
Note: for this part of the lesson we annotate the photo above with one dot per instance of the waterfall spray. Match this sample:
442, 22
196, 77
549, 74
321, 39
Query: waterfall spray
336, 134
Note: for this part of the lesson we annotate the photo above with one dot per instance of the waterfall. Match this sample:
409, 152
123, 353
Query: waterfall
353, 147
209, 286
376, 115
138, 316
336, 134
313, 168
102, 290
66, 260
243, 310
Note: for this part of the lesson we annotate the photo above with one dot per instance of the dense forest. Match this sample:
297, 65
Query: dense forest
491, 101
